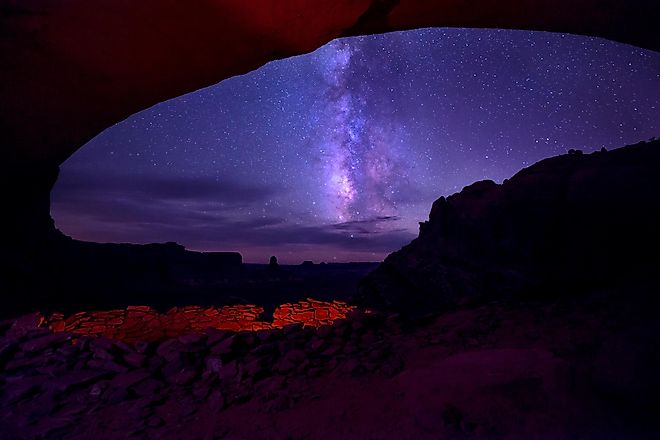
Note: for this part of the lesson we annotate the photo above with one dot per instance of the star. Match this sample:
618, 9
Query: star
343, 151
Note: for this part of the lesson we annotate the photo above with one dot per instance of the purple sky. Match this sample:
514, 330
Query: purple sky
338, 154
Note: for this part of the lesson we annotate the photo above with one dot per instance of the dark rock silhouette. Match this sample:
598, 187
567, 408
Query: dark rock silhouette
62, 274
272, 263
559, 226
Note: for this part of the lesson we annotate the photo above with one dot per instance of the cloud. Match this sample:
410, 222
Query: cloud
202, 215
369, 226
127, 221
113, 199
78, 184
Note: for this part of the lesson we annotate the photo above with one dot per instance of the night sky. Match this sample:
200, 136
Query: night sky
338, 154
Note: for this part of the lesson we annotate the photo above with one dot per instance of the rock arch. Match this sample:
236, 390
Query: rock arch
69, 69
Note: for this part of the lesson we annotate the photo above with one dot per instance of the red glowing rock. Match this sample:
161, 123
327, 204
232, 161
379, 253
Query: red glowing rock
141, 323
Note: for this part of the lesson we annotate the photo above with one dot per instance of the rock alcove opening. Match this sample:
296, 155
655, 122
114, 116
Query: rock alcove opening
588, 302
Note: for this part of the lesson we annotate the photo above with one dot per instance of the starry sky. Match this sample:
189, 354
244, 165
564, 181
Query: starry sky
338, 154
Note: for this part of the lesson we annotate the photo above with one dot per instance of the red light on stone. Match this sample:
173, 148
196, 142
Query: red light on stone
142, 323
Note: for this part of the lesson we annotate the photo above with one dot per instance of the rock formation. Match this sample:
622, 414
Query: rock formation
565, 224
572, 366
142, 323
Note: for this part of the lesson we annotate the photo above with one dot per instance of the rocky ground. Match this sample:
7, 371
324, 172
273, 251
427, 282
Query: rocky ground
574, 367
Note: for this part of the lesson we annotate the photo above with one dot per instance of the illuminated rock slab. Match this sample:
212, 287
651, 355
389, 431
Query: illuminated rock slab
142, 323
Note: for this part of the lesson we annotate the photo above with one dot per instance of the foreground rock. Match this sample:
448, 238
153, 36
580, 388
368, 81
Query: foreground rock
583, 367
52, 384
143, 323
565, 224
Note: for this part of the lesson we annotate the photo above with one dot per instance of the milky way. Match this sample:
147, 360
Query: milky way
338, 154
362, 170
